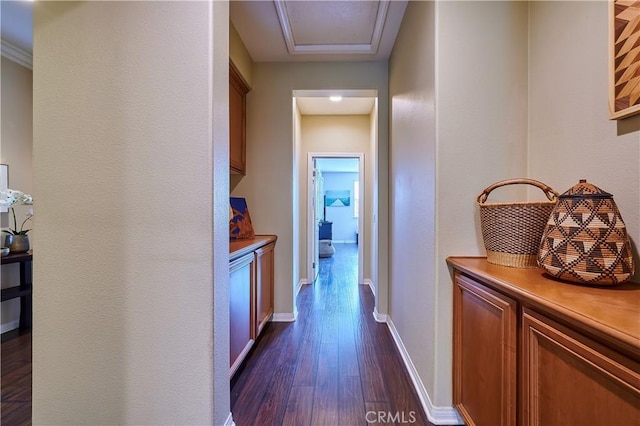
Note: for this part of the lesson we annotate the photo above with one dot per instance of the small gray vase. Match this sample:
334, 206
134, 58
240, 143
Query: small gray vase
17, 243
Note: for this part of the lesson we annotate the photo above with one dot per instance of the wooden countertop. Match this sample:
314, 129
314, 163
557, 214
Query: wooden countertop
238, 248
609, 313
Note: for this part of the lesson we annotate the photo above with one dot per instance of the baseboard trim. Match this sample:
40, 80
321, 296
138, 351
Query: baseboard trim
303, 281
229, 421
436, 415
379, 317
284, 317
369, 282
8, 326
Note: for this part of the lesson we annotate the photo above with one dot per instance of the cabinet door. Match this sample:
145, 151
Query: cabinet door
265, 257
569, 379
241, 278
484, 354
238, 90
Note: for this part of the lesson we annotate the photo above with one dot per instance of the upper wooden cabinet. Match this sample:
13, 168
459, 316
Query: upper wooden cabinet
238, 90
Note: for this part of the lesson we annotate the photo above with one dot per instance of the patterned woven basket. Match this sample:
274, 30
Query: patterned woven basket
586, 240
512, 231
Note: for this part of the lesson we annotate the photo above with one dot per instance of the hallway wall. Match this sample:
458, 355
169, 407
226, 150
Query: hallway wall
270, 153
450, 138
570, 136
336, 133
131, 165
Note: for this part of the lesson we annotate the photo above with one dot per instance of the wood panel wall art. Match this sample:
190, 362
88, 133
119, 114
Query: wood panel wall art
624, 66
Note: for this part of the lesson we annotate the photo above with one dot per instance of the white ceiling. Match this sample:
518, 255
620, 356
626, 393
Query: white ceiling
290, 30
16, 30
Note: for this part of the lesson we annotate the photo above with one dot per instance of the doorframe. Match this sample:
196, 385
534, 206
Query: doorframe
361, 211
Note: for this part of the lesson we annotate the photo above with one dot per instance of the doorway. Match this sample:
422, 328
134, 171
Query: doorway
335, 124
336, 188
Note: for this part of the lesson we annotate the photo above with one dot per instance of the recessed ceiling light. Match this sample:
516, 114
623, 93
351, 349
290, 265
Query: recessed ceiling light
335, 98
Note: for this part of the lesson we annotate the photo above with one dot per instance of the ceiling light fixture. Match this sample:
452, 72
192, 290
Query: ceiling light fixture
335, 98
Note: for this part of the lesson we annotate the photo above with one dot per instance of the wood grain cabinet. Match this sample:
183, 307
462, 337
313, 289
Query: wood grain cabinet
238, 90
571, 379
241, 275
528, 350
251, 292
484, 354
264, 285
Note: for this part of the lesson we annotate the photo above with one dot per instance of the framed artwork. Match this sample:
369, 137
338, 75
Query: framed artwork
624, 58
4, 183
240, 227
337, 198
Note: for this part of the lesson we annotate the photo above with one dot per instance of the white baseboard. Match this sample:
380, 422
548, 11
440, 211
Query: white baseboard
284, 317
8, 326
303, 281
369, 282
343, 241
229, 421
379, 317
436, 415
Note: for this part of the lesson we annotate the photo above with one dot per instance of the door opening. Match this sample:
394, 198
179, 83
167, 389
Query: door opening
336, 206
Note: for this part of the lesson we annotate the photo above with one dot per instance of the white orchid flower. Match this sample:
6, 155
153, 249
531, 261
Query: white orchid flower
11, 198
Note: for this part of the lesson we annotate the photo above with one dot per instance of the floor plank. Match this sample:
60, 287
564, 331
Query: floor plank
15, 384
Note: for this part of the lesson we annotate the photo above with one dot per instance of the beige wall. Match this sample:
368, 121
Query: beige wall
371, 203
131, 180
412, 292
268, 185
481, 135
16, 151
458, 91
239, 55
570, 135
335, 134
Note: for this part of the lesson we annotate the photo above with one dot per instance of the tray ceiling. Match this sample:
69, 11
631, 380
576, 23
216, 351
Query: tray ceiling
290, 30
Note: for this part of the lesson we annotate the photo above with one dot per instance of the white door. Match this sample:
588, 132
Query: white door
318, 205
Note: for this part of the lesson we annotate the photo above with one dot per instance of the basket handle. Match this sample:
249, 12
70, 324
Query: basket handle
548, 191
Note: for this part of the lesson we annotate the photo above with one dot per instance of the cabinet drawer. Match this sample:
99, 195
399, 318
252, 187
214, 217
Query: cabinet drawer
570, 379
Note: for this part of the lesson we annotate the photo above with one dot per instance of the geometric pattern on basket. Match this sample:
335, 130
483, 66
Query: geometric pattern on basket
586, 241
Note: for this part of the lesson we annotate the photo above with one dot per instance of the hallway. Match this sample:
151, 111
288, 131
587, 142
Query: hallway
333, 366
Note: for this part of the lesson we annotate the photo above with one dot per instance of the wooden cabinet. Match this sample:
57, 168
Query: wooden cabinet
484, 350
529, 350
251, 285
571, 379
264, 285
241, 275
238, 90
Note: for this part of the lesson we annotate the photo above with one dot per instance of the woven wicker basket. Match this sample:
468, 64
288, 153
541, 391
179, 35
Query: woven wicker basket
586, 240
512, 231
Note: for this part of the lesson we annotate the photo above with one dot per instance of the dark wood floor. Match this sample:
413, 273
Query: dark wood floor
334, 366
15, 379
